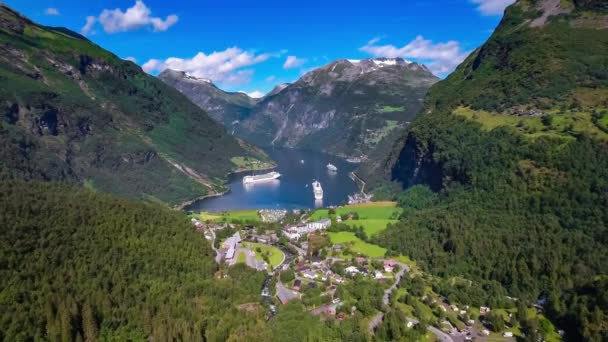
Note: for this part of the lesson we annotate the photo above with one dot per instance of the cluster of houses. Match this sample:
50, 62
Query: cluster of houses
388, 266
297, 231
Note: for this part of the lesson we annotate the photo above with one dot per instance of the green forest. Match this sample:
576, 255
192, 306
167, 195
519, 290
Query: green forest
517, 215
80, 266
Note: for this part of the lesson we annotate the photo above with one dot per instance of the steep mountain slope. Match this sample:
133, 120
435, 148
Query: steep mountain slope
346, 107
74, 112
223, 107
515, 144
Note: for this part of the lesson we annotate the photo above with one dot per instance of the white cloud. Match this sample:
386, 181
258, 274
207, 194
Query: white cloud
130, 58
271, 78
134, 18
293, 62
88, 27
220, 66
51, 11
254, 94
492, 7
441, 58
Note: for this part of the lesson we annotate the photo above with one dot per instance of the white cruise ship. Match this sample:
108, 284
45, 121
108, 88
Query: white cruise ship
332, 167
261, 178
318, 190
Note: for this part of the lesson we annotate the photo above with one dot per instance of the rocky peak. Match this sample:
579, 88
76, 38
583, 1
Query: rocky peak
182, 75
277, 89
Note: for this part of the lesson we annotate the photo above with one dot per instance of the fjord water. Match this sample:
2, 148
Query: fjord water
293, 190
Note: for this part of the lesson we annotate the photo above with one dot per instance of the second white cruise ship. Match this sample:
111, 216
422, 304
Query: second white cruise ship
318, 190
261, 178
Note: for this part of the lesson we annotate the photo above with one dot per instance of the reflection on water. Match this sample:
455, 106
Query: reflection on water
318, 203
298, 169
269, 185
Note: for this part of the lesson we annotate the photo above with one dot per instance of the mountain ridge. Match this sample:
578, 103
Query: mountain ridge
77, 113
345, 107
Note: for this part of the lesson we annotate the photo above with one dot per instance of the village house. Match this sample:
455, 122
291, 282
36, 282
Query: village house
360, 260
389, 265
296, 284
484, 310
336, 278
378, 275
352, 270
310, 274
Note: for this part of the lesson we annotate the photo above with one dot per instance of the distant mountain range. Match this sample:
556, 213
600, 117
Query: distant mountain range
347, 107
74, 112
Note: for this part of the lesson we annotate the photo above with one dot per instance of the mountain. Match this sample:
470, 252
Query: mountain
346, 107
506, 168
223, 107
74, 112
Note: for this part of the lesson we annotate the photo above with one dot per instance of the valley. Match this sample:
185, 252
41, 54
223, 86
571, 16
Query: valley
448, 187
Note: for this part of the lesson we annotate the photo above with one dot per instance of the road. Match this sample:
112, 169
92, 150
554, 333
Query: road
218, 255
377, 319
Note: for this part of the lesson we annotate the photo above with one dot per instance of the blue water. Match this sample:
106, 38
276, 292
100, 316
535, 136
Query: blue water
293, 190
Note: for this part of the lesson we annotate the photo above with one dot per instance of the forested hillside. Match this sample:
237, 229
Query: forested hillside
514, 146
75, 265
71, 111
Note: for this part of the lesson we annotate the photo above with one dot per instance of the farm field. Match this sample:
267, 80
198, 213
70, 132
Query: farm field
229, 216
371, 226
373, 210
358, 245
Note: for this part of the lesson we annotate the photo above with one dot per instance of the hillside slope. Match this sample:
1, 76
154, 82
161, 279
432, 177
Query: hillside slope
74, 112
223, 107
80, 266
345, 108
515, 145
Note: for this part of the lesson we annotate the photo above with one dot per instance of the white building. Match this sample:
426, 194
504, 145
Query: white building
296, 232
318, 225
351, 270
231, 244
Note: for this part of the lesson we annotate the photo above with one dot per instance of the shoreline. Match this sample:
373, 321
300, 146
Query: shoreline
184, 204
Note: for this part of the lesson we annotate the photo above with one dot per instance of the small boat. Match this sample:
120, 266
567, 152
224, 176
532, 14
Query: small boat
302, 161
332, 167
318, 190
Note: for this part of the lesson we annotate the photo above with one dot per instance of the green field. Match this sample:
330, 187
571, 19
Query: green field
275, 255
374, 210
240, 259
249, 163
371, 226
357, 245
229, 216
562, 125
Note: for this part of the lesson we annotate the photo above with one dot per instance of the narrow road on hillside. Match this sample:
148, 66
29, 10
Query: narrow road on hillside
218, 256
377, 319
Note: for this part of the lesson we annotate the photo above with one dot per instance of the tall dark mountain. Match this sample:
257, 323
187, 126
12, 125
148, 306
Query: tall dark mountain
515, 145
345, 108
74, 112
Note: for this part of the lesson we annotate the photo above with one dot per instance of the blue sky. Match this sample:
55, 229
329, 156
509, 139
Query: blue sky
253, 45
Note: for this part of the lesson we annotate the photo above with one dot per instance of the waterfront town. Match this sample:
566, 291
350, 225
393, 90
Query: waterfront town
324, 259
